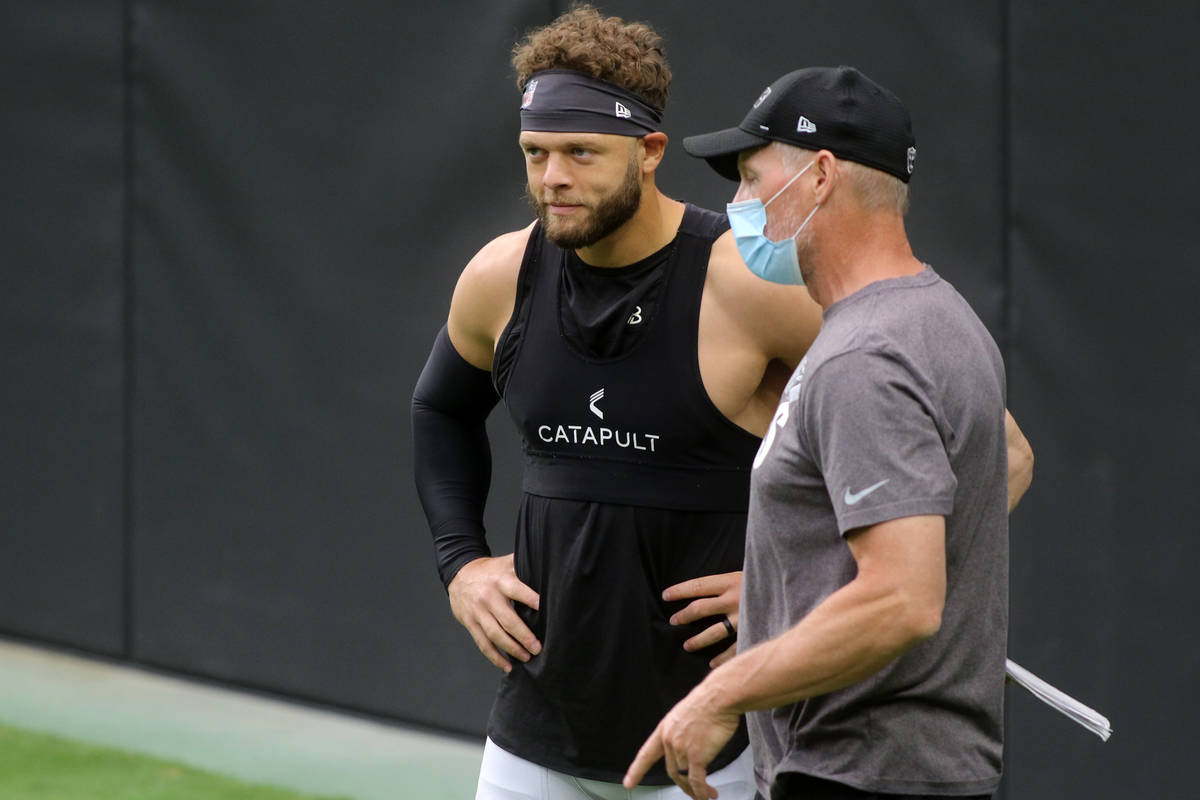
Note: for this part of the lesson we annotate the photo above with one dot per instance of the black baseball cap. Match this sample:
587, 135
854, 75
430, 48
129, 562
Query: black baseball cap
819, 108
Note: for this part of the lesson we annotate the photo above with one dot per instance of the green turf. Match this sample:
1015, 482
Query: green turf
34, 766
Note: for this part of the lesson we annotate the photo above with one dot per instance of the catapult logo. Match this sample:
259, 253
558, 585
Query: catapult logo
598, 436
596, 397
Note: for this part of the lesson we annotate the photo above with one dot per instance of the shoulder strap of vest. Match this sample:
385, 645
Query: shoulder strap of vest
703, 223
510, 337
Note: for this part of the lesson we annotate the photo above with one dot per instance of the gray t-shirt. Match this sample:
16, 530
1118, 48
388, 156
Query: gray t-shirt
897, 411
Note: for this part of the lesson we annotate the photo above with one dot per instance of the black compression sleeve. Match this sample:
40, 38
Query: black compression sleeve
452, 461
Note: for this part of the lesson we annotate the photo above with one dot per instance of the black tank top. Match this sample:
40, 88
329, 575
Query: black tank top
634, 481
637, 428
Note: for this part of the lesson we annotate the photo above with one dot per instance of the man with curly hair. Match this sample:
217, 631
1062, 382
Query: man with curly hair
642, 362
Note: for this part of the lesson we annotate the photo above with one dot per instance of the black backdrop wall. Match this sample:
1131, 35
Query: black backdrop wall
231, 230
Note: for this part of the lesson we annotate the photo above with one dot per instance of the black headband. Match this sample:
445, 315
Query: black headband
561, 100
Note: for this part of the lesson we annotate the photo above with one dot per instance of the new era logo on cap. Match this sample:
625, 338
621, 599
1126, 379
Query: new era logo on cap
819, 108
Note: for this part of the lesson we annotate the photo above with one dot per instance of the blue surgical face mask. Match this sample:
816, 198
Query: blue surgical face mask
772, 261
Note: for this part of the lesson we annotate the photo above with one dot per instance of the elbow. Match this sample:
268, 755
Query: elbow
919, 618
418, 405
906, 613
907, 616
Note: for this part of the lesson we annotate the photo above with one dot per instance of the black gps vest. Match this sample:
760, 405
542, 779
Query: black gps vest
637, 428
634, 482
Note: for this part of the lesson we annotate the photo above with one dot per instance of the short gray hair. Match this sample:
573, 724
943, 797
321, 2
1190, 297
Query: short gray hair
875, 189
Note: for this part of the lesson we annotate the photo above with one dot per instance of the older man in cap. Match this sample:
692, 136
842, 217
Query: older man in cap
875, 598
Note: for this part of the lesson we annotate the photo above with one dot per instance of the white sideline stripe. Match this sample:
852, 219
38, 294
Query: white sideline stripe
246, 736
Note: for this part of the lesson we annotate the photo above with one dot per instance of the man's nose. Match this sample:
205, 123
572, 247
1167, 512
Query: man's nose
557, 174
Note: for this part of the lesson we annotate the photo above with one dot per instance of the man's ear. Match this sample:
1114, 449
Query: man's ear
654, 146
825, 169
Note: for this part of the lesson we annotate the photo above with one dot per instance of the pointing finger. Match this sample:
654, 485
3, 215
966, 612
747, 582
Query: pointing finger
650, 752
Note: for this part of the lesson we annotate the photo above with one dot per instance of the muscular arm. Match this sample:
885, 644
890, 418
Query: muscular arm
484, 298
451, 402
452, 457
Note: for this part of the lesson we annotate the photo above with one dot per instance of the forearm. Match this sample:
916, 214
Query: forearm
852, 634
452, 463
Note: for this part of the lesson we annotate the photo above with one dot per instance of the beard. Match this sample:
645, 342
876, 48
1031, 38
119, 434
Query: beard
606, 216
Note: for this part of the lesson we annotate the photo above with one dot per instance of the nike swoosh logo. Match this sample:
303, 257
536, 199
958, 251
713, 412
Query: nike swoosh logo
853, 497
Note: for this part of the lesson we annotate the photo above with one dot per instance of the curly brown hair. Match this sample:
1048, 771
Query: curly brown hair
626, 54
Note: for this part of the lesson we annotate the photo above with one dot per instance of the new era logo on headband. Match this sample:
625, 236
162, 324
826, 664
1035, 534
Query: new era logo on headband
622, 111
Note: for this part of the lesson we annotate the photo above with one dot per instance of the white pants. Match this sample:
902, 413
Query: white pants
503, 776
